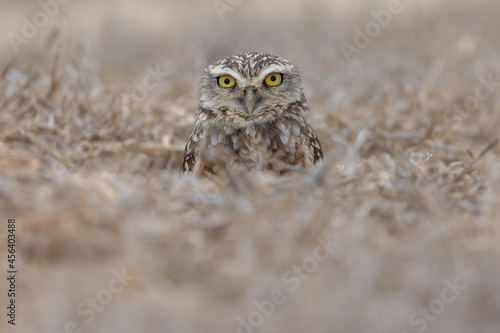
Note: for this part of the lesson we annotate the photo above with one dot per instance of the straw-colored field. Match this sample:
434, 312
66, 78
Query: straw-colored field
398, 231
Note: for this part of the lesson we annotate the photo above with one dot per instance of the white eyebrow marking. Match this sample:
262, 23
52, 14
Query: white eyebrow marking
273, 69
227, 71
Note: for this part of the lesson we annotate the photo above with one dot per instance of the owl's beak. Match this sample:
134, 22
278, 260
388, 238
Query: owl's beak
250, 99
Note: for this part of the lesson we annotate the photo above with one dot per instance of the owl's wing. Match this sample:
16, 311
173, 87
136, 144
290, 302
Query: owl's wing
313, 144
191, 151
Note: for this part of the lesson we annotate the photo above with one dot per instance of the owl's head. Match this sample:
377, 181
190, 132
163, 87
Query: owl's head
247, 85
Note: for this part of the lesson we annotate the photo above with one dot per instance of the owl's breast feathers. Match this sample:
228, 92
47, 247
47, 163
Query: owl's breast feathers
270, 145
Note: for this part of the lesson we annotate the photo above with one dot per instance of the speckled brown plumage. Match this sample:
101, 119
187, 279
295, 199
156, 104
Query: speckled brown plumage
252, 124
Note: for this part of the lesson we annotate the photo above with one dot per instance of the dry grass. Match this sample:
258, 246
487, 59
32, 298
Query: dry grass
409, 193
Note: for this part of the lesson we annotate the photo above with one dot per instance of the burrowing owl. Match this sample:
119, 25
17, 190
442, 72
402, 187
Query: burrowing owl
252, 114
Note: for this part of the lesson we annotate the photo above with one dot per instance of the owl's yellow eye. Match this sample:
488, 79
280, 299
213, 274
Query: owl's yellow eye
225, 81
274, 79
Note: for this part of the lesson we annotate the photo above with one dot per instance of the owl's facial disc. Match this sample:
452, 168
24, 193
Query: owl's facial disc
246, 91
